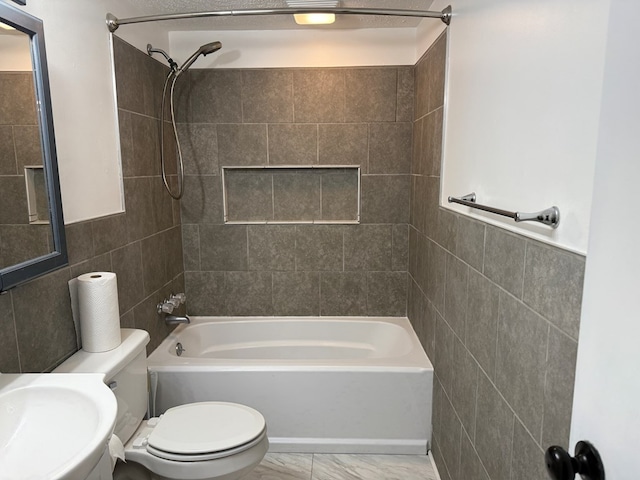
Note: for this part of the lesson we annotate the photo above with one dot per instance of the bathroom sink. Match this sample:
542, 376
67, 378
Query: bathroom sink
53, 425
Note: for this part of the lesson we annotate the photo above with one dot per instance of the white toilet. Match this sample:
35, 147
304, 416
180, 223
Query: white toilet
196, 441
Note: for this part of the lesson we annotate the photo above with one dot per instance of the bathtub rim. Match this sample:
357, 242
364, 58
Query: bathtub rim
416, 360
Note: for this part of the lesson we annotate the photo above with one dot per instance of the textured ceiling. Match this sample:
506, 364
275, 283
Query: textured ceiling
272, 22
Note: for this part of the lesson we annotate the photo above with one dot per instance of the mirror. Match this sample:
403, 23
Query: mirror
32, 240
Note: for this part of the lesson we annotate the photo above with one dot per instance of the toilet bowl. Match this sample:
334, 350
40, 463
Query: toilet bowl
196, 441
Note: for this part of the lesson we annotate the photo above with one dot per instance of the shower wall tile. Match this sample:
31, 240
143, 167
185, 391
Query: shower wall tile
109, 233
162, 205
390, 148
494, 430
406, 83
191, 247
79, 238
553, 285
301, 117
449, 439
223, 247
508, 274
558, 390
202, 200
100, 263
125, 131
44, 328
527, 459
319, 247
272, 247
444, 354
339, 195
128, 72
215, 96
371, 94
296, 293
267, 96
470, 464
23, 242
520, 360
319, 95
17, 101
387, 294
145, 137
14, 201
249, 196
126, 263
154, 266
296, 196
464, 386
28, 146
248, 293
7, 151
368, 247
456, 290
343, 293
343, 144
470, 242
482, 321
400, 248
199, 145
206, 293
436, 77
139, 203
293, 144
242, 144
385, 198
446, 230
9, 357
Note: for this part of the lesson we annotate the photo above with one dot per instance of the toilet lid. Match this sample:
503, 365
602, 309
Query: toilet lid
206, 427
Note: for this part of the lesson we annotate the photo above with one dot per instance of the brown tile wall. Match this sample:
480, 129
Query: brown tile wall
19, 146
497, 313
142, 246
316, 116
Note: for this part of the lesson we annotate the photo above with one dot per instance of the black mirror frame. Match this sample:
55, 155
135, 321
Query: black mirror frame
35, 267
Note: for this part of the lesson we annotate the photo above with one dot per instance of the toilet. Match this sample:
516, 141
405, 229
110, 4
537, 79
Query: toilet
196, 441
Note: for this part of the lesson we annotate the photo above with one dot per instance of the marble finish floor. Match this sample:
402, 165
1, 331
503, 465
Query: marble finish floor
300, 466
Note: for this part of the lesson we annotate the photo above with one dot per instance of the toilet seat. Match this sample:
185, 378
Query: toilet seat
204, 431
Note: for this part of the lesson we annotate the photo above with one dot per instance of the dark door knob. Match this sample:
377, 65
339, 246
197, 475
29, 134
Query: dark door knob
586, 462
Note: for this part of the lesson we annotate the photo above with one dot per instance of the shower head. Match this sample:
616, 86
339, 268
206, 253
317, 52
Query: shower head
203, 50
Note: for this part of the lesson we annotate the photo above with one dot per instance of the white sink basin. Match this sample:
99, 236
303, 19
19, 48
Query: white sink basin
53, 425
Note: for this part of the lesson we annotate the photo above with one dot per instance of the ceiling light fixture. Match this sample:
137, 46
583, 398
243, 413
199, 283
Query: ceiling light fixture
6, 27
313, 18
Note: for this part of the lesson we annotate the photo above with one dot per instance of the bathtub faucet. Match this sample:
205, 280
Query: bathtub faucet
167, 306
175, 319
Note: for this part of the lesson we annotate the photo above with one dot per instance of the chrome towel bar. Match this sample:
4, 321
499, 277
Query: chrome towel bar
550, 216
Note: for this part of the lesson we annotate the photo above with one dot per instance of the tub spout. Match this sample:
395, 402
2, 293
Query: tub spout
175, 319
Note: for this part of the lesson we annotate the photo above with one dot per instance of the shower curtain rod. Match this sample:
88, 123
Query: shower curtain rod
445, 15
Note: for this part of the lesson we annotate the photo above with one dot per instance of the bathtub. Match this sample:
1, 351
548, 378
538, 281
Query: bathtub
324, 385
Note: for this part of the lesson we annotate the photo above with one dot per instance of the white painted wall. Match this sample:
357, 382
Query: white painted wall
522, 109
84, 107
299, 48
15, 53
605, 409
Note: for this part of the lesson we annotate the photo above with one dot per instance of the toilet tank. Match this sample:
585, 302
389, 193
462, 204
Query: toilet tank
125, 371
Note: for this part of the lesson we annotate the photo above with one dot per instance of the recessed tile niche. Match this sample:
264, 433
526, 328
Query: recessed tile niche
315, 194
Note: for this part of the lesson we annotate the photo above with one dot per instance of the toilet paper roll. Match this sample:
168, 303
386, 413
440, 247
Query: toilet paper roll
116, 450
99, 311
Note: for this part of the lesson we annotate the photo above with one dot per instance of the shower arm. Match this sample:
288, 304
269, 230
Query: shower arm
445, 15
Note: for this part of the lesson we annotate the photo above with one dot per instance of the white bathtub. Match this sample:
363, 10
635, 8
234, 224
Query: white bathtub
324, 385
